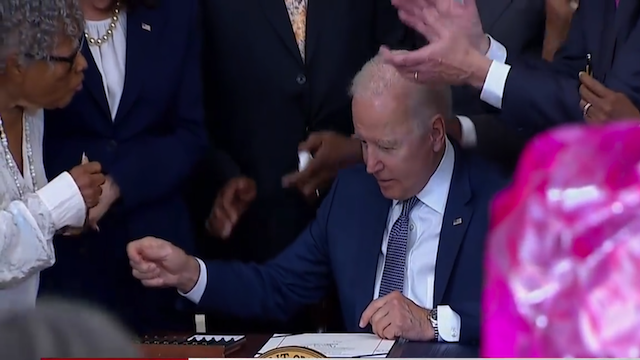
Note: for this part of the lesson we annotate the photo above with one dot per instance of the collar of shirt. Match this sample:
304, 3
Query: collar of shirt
435, 193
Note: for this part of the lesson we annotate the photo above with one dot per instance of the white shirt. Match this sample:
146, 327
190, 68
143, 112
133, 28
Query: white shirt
27, 226
422, 249
110, 58
492, 90
425, 222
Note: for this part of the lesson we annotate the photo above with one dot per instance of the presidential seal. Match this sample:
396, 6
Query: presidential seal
292, 352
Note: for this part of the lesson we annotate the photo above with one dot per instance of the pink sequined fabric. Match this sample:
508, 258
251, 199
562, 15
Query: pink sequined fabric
563, 256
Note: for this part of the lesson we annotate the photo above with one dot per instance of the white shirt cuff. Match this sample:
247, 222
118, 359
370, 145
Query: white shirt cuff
493, 88
469, 136
497, 52
198, 289
448, 324
64, 200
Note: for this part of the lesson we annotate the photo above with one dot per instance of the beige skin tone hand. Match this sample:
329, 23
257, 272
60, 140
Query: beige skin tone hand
158, 263
394, 316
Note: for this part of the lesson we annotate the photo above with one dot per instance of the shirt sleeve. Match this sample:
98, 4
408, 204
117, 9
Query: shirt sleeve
448, 324
493, 88
469, 135
196, 293
27, 228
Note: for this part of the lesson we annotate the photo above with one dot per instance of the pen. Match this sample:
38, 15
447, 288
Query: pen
588, 69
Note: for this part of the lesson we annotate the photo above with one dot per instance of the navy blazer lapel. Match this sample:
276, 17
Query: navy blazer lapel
93, 82
457, 216
376, 208
144, 27
276, 12
490, 11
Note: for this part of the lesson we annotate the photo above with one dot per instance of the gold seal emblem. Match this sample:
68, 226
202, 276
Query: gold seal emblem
292, 352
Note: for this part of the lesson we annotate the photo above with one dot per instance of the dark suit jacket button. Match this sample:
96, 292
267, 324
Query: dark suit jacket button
301, 79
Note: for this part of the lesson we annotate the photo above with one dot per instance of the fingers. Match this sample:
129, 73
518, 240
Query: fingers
380, 322
406, 62
93, 167
313, 142
589, 97
594, 86
301, 178
149, 249
373, 307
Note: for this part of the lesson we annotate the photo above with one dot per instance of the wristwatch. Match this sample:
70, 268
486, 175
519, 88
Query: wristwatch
433, 317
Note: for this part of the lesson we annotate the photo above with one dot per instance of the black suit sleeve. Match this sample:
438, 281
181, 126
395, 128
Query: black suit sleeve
275, 290
497, 141
389, 30
539, 95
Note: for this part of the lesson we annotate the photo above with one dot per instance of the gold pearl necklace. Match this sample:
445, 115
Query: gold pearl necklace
107, 35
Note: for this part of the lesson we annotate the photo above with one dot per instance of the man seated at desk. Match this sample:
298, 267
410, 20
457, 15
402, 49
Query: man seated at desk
403, 237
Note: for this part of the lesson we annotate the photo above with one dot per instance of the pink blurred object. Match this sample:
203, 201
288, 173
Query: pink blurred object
563, 256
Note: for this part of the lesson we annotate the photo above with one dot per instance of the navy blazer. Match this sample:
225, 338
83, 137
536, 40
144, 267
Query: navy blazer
150, 148
539, 95
345, 240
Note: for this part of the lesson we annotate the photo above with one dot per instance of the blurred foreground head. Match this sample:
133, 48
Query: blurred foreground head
58, 329
563, 256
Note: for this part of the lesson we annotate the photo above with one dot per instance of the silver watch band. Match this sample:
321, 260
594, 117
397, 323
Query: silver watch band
433, 317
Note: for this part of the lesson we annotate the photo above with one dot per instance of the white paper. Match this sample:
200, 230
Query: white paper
303, 159
200, 337
334, 345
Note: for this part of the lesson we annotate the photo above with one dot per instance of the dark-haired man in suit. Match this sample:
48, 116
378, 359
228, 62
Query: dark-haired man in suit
402, 235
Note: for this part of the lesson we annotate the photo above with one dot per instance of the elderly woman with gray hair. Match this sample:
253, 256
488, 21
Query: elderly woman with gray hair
40, 67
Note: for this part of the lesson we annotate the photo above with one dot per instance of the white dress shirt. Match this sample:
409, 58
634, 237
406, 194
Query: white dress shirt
425, 222
422, 249
110, 57
492, 90
27, 225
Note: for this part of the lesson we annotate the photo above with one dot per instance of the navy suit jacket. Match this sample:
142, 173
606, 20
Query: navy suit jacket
539, 95
344, 241
150, 148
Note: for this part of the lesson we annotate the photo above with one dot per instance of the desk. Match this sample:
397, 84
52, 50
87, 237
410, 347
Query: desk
254, 343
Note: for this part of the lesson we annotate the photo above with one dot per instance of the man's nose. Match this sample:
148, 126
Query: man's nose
373, 163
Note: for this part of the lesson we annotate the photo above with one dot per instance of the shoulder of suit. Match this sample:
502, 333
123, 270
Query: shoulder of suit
484, 176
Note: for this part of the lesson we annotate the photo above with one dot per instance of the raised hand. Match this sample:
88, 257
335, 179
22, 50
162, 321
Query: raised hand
457, 44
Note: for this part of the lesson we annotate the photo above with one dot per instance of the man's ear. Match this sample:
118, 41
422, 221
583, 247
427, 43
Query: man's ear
438, 132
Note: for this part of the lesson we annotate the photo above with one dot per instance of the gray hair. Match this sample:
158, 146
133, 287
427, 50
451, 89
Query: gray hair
59, 329
379, 79
33, 27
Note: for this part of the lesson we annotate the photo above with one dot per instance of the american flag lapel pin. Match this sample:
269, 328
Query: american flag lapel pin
457, 221
146, 26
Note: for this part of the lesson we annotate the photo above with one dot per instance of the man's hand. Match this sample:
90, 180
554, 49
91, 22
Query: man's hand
110, 193
558, 21
463, 18
232, 201
331, 152
394, 316
457, 45
605, 104
158, 263
89, 179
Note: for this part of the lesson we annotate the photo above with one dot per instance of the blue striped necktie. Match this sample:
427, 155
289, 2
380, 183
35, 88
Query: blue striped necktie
395, 258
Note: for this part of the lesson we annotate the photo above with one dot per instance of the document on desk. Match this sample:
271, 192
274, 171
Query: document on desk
334, 345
